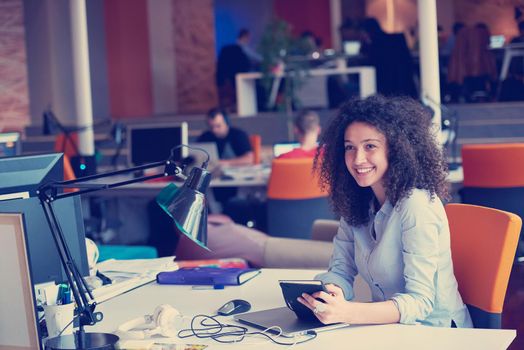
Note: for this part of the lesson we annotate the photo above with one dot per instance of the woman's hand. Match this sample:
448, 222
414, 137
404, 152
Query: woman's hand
335, 307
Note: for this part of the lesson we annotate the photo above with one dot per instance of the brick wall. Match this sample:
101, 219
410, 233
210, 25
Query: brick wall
14, 100
194, 35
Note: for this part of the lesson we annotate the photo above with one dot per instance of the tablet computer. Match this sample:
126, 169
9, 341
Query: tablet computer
292, 289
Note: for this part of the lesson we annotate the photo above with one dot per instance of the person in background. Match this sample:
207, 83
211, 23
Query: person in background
233, 143
234, 149
243, 39
390, 55
450, 42
519, 38
307, 129
386, 173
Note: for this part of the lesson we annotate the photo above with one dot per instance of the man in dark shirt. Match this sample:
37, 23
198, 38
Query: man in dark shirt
233, 144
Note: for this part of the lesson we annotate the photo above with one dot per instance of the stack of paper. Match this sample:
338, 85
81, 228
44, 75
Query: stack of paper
127, 275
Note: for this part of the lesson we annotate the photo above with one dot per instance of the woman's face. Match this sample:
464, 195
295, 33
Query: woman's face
365, 150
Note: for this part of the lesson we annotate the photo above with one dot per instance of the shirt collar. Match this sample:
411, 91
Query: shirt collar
386, 208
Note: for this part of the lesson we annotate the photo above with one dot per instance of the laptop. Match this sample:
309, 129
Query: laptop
284, 147
286, 319
199, 157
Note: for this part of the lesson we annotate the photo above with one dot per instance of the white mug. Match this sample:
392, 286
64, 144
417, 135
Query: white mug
58, 318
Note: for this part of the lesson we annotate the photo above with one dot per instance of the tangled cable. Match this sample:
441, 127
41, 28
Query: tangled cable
211, 327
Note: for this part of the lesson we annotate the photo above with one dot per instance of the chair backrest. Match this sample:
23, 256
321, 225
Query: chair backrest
294, 199
493, 165
293, 179
483, 244
67, 145
324, 230
494, 177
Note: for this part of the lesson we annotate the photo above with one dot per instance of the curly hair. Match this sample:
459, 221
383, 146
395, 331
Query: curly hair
415, 159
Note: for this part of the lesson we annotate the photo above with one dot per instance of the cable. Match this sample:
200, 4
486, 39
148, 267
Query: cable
210, 327
67, 325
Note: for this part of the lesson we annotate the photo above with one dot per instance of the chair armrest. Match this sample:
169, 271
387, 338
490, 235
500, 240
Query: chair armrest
324, 230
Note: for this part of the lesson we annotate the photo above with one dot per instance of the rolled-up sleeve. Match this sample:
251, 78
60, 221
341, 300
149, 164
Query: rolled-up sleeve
420, 256
342, 267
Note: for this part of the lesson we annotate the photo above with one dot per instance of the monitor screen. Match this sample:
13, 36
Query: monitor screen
153, 142
21, 176
352, 48
496, 41
284, 147
9, 144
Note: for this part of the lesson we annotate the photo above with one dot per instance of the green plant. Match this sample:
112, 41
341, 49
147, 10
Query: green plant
277, 47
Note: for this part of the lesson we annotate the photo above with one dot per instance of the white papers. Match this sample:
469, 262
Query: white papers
138, 266
127, 275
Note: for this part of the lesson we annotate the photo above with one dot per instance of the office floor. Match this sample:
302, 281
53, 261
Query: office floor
513, 312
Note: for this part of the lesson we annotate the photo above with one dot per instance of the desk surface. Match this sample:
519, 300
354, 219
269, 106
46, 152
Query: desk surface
245, 176
263, 292
241, 176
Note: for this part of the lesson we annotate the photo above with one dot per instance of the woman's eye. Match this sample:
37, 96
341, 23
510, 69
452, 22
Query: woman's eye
348, 147
370, 146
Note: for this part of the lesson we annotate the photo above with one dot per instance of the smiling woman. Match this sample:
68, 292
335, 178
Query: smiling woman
385, 173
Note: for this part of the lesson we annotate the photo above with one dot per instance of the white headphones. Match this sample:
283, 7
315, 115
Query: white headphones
166, 320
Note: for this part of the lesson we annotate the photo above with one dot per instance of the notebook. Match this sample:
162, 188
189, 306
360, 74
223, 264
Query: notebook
207, 276
286, 319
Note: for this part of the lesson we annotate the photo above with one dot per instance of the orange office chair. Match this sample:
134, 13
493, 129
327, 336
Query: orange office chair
68, 147
294, 199
256, 145
494, 177
483, 244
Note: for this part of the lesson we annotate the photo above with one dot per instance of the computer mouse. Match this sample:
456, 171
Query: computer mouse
233, 307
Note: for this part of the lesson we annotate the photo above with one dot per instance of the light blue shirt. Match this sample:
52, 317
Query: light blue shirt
409, 262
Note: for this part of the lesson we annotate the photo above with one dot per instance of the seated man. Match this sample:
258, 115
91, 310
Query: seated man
233, 146
232, 143
307, 130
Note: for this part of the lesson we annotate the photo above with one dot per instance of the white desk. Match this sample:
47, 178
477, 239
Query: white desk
263, 292
257, 177
247, 95
510, 51
243, 177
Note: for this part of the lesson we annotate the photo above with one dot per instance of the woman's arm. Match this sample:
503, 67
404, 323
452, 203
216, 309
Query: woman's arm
342, 268
337, 309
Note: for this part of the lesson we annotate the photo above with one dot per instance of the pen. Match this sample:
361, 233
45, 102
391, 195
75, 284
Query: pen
215, 286
61, 295
66, 296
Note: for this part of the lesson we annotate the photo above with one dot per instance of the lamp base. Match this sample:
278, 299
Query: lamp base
83, 341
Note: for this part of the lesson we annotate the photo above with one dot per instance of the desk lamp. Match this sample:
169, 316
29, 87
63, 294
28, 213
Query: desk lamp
186, 205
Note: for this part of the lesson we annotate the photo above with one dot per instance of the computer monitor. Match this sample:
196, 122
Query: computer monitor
496, 41
9, 144
20, 177
149, 143
44, 260
351, 47
198, 157
284, 147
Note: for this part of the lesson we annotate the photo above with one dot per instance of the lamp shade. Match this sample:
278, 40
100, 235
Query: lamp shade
187, 206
